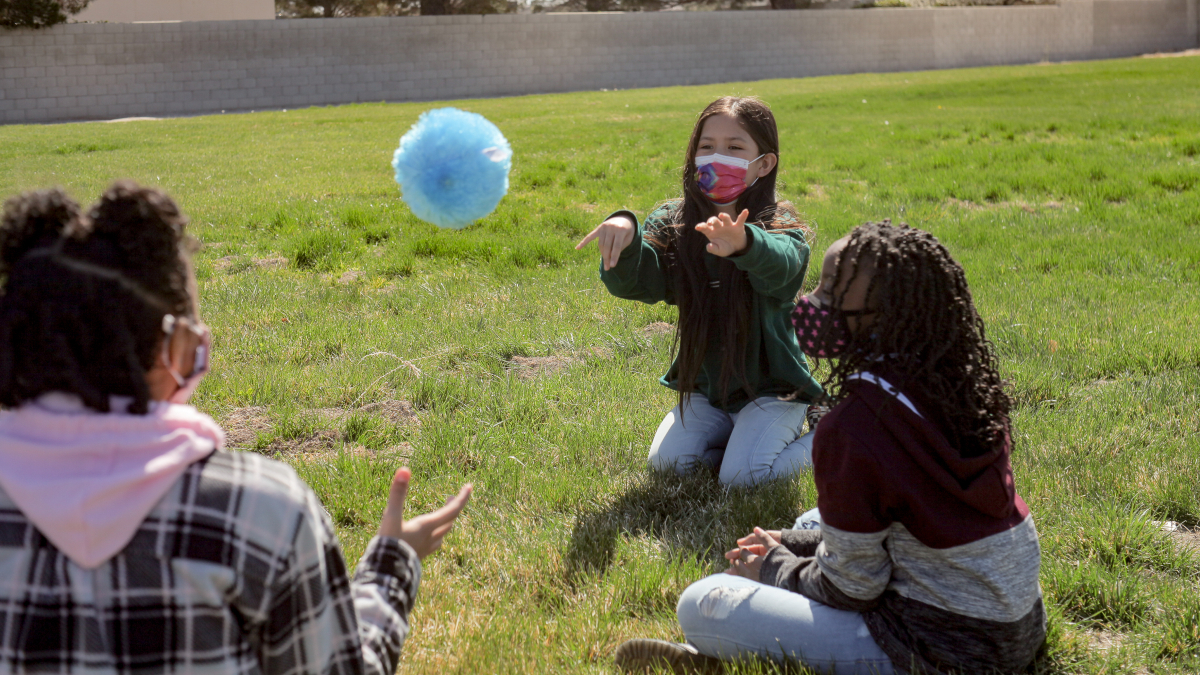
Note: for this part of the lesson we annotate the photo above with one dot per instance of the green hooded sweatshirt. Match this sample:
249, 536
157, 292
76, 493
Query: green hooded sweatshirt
775, 262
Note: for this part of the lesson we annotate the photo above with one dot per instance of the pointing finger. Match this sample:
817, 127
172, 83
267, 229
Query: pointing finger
398, 492
590, 236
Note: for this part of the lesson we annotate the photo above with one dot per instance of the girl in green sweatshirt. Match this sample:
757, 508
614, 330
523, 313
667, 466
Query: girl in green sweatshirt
744, 385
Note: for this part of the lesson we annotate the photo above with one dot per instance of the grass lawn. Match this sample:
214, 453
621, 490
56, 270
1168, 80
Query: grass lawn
350, 337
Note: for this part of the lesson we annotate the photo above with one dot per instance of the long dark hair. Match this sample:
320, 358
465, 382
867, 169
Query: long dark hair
83, 297
724, 311
926, 333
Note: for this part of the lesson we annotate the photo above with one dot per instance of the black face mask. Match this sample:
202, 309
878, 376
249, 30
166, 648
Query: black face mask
822, 331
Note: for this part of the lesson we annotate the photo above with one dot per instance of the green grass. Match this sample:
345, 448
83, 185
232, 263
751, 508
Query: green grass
1069, 192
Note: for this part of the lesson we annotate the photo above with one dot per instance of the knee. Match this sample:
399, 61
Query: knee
660, 461
691, 619
711, 600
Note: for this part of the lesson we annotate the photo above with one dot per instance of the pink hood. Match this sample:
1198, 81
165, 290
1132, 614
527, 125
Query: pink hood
87, 480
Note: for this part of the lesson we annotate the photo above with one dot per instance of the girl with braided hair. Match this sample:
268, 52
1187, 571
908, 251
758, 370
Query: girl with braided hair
732, 258
920, 556
130, 542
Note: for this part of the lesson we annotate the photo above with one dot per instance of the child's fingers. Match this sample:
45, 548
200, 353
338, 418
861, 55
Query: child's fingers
588, 239
442, 530
606, 247
453, 507
765, 537
741, 220
398, 492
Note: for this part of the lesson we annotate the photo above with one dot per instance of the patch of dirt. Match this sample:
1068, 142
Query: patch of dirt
1104, 640
658, 328
529, 367
232, 261
996, 206
396, 412
590, 208
1183, 537
399, 452
243, 425
1169, 55
320, 442
351, 276
817, 192
271, 263
602, 353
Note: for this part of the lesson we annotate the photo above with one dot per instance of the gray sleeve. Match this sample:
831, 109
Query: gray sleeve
801, 542
845, 571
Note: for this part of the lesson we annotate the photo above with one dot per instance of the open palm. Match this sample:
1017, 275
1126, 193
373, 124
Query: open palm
725, 235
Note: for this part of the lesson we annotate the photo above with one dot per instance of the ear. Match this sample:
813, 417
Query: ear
769, 161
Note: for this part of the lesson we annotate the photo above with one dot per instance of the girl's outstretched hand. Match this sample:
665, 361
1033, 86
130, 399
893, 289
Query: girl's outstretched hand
612, 236
423, 533
725, 236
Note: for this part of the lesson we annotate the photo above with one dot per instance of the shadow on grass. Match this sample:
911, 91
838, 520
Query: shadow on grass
691, 515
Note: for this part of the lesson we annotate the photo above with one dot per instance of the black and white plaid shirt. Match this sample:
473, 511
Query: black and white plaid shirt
236, 570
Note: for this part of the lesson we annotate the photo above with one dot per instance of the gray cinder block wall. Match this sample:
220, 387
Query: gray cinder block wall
102, 71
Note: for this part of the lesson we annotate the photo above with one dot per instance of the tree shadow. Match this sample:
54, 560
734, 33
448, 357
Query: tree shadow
692, 515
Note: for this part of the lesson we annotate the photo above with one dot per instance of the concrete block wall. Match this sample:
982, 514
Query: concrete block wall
128, 11
103, 71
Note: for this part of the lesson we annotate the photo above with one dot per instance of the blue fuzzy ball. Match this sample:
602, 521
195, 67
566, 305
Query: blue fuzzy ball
452, 167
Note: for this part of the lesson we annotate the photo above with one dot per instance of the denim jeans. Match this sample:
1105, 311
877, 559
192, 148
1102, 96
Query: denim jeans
761, 441
732, 617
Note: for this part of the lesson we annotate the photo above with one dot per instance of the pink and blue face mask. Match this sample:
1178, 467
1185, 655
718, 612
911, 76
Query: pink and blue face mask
723, 178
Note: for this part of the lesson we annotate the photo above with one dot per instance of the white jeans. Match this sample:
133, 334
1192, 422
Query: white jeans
761, 441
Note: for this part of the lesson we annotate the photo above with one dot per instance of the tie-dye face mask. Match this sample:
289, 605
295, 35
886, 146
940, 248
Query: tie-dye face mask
723, 178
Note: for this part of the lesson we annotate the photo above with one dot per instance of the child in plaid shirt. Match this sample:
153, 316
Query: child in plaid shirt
130, 542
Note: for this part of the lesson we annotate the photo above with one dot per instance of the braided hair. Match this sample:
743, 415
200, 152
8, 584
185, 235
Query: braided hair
708, 313
82, 298
926, 333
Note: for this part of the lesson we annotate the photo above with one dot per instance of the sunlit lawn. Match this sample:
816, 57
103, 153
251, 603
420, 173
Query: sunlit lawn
1069, 192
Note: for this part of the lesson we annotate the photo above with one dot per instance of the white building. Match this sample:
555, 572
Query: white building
133, 11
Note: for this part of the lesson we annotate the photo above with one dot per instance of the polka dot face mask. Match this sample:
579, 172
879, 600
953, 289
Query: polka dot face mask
822, 331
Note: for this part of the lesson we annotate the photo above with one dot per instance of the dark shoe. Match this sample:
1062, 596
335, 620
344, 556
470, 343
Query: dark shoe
644, 655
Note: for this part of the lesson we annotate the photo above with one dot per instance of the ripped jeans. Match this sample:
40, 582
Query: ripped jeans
729, 617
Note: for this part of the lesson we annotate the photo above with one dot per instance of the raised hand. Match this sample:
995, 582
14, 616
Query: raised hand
725, 236
612, 236
423, 533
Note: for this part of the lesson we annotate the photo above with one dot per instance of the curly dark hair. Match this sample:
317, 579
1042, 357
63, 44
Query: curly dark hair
926, 334
723, 313
83, 298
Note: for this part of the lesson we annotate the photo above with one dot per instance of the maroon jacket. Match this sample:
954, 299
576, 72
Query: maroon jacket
936, 550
